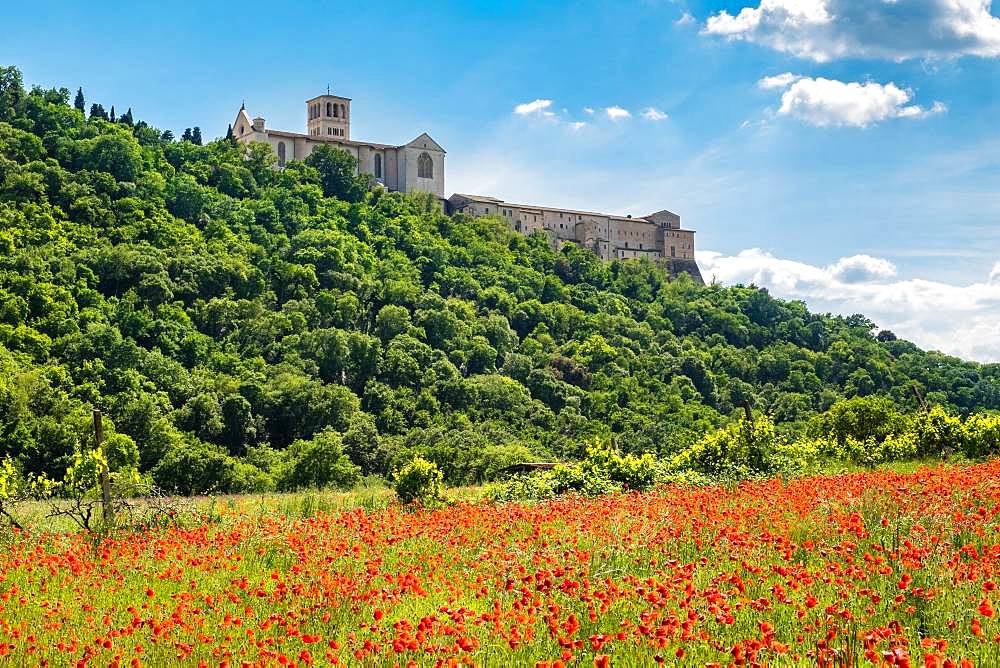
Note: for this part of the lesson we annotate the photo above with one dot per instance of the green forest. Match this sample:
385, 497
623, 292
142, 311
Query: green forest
244, 328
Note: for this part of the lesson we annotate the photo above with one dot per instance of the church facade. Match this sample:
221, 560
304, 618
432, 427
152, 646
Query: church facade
414, 166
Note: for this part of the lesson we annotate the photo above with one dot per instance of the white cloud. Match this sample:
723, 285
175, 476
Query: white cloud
994, 278
861, 268
654, 114
778, 81
825, 102
538, 106
577, 125
686, 19
616, 113
589, 110
824, 30
960, 320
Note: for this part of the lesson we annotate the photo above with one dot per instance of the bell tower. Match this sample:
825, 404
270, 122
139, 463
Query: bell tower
329, 116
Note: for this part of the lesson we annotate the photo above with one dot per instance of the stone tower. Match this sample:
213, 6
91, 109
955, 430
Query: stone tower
329, 116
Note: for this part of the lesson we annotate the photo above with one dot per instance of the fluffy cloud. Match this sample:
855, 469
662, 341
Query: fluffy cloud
778, 81
861, 268
825, 102
824, 30
538, 106
957, 319
653, 114
616, 113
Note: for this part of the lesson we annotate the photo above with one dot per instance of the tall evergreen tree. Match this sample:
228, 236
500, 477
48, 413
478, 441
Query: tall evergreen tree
97, 111
112, 117
127, 117
196, 136
79, 102
187, 135
230, 137
167, 135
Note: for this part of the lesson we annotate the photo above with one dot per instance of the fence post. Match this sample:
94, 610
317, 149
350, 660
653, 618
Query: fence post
109, 511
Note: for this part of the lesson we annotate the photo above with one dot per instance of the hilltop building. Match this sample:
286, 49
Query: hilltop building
418, 166
415, 166
657, 237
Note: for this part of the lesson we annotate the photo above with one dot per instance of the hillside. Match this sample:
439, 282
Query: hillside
224, 314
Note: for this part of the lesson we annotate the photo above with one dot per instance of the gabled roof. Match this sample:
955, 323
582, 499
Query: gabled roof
662, 212
423, 140
478, 198
242, 116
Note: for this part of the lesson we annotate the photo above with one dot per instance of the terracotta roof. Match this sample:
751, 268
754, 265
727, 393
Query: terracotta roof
329, 140
339, 97
533, 207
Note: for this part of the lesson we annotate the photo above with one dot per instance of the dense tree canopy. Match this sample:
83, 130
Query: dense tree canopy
247, 327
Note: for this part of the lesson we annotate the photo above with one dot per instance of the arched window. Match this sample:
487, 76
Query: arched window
329, 109
281, 154
329, 131
425, 167
343, 111
335, 109
378, 166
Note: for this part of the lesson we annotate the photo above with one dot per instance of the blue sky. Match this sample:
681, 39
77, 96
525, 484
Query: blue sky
845, 152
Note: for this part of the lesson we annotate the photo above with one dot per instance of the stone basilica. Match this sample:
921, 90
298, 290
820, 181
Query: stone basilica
418, 166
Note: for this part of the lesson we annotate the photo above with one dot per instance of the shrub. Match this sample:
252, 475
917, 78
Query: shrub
318, 462
870, 452
982, 435
419, 482
604, 470
861, 419
633, 472
199, 468
746, 449
937, 433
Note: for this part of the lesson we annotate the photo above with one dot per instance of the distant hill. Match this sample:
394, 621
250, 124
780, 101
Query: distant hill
223, 313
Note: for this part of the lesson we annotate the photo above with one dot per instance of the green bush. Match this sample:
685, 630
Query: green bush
870, 452
862, 419
603, 471
982, 435
937, 433
419, 482
637, 473
746, 449
194, 467
318, 462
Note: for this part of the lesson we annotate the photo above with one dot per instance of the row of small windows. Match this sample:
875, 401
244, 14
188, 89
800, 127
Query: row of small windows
333, 110
336, 132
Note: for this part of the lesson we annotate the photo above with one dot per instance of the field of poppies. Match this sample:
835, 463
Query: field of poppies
872, 567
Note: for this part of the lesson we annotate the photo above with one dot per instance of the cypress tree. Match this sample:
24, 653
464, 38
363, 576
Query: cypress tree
97, 111
187, 135
79, 102
127, 117
112, 118
196, 136
229, 135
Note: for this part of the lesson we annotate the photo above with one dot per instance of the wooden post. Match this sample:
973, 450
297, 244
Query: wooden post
109, 511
